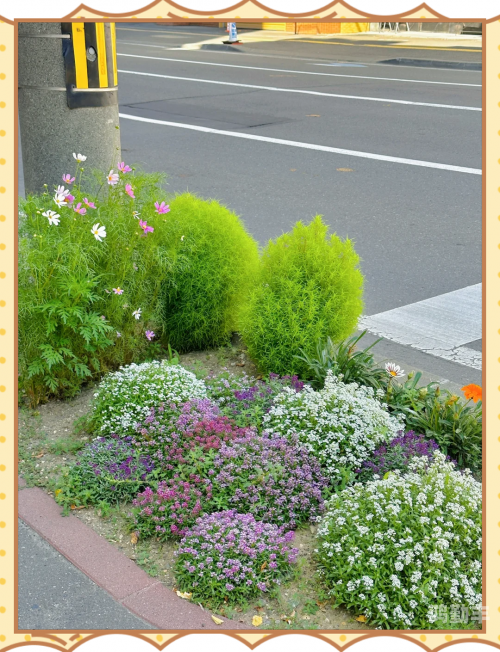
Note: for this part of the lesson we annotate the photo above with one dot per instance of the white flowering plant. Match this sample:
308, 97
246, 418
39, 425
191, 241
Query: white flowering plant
125, 397
399, 549
340, 424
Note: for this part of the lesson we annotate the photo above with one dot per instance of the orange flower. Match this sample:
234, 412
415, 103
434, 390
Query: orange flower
474, 392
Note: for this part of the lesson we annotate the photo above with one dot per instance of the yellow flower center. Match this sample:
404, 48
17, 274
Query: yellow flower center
393, 373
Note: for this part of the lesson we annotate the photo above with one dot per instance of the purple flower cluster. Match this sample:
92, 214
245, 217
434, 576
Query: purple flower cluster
270, 477
228, 555
174, 506
113, 468
397, 454
245, 399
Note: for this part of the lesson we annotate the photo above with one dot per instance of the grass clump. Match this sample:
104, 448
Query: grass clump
309, 288
201, 301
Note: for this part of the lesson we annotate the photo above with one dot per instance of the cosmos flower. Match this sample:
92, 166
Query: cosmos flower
144, 226
99, 232
80, 209
137, 313
67, 178
117, 290
52, 216
89, 204
162, 208
150, 335
79, 157
129, 190
124, 168
112, 178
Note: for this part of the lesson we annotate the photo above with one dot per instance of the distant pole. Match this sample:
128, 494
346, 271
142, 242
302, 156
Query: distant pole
68, 99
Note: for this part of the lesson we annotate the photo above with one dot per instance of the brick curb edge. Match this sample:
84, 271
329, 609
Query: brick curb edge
110, 569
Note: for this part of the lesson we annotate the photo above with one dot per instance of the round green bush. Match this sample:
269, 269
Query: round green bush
309, 288
215, 266
405, 551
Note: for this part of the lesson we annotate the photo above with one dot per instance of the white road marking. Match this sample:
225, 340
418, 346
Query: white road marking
295, 72
439, 326
294, 90
293, 143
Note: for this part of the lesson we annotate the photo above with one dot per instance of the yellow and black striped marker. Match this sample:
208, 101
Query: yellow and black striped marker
90, 61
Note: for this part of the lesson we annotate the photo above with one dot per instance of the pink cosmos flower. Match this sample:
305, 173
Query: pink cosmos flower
79, 209
89, 204
144, 226
112, 178
67, 178
150, 335
124, 168
70, 199
117, 290
129, 190
162, 208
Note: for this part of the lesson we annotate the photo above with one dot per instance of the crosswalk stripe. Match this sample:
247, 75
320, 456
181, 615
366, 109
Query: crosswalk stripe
440, 326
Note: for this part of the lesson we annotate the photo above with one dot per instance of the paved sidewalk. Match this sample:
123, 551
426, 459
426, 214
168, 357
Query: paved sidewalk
88, 568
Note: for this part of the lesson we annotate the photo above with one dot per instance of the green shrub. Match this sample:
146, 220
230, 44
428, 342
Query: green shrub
309, 288
398, 550
344, 359
201, 301
77, 293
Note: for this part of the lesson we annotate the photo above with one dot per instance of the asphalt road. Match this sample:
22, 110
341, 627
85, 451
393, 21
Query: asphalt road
53, 594
417, 227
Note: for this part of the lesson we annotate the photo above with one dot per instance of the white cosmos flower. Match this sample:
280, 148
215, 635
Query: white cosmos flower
61, 190
79, 157
99, 232
137, 313
60, 200
394, 370
52, 216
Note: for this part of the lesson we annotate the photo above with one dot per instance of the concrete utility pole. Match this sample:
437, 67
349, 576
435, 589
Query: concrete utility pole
68, 99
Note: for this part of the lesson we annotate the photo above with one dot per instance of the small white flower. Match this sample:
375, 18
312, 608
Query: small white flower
61, 190
79, 157
99, 232
135, 214
182, 237
394, 370
137, 313
52, 216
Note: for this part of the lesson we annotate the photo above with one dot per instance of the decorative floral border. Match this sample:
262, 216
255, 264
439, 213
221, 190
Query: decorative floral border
251, 11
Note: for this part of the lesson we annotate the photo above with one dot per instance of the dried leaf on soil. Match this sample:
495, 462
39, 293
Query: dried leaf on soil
185, 596
256, 621
217, 621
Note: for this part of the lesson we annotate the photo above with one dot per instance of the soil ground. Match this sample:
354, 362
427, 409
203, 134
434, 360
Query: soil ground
49, 439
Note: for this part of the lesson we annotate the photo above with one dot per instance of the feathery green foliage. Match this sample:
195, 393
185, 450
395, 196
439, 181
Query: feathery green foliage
201, 301
72, 325
310, 288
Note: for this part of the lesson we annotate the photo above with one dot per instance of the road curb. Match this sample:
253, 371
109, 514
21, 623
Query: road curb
434, 63
111, 570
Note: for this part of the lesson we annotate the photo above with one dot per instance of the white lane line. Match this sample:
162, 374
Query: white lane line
439, 326
293, 143
295, 72
294, 90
